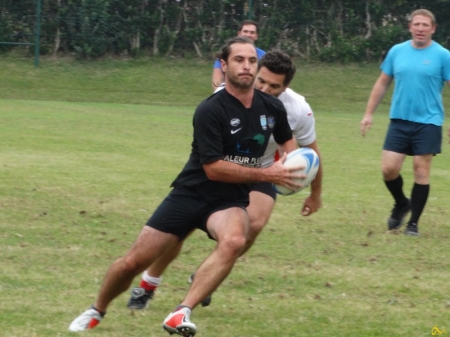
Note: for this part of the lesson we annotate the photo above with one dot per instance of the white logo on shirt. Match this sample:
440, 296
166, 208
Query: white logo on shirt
235, 122
234, 131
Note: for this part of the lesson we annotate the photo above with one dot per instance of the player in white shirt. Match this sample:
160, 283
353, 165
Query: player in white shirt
275, 72
301, 119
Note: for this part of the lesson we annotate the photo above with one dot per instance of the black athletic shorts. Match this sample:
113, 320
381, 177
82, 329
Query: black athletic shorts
184, 210
413, 138
266, 188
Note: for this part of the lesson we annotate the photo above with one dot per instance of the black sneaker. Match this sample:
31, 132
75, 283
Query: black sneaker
398, 216
412, 229
139, 299
207, 300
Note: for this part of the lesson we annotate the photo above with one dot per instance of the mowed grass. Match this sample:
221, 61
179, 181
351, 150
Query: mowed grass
80, 173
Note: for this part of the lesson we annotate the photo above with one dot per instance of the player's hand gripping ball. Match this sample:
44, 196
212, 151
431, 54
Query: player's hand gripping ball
301, 157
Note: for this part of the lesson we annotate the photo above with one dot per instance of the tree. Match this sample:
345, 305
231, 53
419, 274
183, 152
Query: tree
330, 30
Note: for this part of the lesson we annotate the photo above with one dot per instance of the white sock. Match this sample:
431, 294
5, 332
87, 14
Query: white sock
156, 281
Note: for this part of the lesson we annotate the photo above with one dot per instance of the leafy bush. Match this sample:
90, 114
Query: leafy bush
86, 26
6, 31
352, 49
384, 38
326, 30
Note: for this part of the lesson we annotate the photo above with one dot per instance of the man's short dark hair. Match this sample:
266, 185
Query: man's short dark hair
279, 63
225, 51
248, 22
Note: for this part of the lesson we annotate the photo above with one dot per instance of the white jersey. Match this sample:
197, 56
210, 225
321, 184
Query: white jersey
300, 118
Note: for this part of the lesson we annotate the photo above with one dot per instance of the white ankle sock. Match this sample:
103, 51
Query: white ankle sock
156, 281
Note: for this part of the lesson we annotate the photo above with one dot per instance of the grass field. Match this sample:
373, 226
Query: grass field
88, 150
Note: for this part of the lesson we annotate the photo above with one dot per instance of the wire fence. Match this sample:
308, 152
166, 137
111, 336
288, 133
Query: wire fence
337, 30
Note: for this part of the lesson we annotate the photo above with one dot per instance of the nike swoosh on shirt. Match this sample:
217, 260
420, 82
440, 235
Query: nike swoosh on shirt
234, 131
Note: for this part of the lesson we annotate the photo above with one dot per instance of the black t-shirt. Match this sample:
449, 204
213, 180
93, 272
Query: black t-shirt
226, 130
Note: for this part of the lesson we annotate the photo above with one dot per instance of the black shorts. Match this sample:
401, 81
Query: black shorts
412, 138
266, 188
184, 210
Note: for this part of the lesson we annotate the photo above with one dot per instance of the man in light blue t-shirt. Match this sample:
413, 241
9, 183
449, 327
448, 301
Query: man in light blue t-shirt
248, 28
420, 67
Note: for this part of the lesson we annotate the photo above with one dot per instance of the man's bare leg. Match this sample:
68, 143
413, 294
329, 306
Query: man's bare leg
259, 211
158, 267
229, 227
150, 244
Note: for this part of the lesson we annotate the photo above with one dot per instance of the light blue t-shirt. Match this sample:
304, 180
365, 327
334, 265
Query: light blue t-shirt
259, 52
419, 76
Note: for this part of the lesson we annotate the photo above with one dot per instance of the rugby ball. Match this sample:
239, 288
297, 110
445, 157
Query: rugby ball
301, 157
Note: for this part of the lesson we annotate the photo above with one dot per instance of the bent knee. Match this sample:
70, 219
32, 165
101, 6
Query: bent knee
255, 228
232, 245
130, 265
389, 173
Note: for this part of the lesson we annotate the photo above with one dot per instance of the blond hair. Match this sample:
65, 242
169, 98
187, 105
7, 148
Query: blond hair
424, 12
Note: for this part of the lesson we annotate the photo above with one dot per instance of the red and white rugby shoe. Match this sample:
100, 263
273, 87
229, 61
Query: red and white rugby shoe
87, 320
179, 322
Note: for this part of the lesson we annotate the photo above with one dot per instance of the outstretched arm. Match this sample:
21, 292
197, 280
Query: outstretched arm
376, 95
